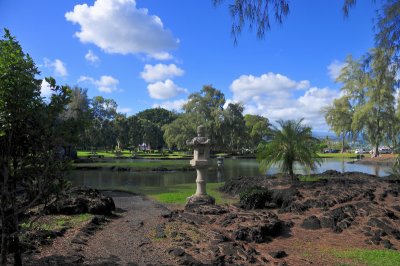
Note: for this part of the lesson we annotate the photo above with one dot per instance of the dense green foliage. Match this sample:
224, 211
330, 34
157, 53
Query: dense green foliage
105, 128
228, 129
32, 134
257, 127
339, 116
95, 124
368, 103
293, 142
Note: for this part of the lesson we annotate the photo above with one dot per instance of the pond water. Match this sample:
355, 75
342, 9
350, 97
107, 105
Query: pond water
241, 167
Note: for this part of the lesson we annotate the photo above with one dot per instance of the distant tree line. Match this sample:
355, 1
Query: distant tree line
98, 125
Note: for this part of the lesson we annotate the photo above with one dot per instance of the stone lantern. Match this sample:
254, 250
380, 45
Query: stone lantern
201, 156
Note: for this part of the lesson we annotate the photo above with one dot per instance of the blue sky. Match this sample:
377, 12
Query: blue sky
155, 53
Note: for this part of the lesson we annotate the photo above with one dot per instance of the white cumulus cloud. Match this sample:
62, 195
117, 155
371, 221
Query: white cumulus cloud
57, 66
105, 84
118, 26
171, 105
152, 73
92, 57
334, 69
276, 96
45, 90
164, 90
247, 87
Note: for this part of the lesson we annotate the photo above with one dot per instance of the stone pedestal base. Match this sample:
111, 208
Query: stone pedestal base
198, 200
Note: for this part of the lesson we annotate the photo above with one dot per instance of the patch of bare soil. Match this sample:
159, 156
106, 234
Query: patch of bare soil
131, 237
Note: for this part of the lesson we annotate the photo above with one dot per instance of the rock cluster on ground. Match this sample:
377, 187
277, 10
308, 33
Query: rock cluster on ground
78, 200
82, 200
249, 233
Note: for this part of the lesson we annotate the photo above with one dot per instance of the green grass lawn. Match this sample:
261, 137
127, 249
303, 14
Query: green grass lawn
370, 257
311, 178
128, 154
57, 222
337, 155
138, 165
177, 194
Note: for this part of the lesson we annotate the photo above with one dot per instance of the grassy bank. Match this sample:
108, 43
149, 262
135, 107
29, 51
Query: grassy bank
312, 178
177, 194
181, 155
128, 154
338, 155
56, 222
137, 165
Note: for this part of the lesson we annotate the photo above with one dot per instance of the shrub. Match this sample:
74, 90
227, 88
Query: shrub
254, 198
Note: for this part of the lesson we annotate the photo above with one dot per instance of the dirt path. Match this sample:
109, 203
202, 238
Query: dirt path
130, 238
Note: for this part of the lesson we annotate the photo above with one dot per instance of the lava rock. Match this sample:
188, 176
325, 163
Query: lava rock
82, 200
160, 233
278, 254
385, 226
311, 223
387, 244
206, 209
284, 197
391, 215
177, 252
261, 233
327, 222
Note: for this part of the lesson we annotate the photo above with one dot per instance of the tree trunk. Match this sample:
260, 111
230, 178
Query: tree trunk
15, 231
292, 177
3, 214
343, 137
376, 150
17, 249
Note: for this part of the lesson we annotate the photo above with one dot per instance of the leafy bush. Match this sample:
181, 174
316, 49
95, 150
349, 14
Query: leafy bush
254, 198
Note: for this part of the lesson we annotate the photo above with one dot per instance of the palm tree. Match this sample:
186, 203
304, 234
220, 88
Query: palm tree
292, 143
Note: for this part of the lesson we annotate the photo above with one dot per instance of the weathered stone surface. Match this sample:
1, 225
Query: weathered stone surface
160, 231
278, 254
387, 244
175, 251
385, 226
206, 209
284, 197
260, 233
327, 222
312, 223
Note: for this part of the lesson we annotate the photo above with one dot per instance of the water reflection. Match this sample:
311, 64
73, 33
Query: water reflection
231, 168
